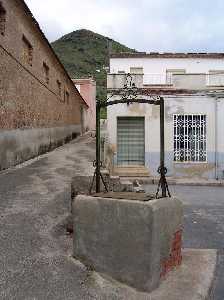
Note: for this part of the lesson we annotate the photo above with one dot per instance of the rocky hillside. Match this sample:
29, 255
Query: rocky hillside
85, 53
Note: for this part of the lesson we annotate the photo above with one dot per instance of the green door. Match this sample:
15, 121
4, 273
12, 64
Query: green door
131, 141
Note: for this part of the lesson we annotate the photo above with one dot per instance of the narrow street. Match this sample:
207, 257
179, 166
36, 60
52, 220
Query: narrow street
35, 252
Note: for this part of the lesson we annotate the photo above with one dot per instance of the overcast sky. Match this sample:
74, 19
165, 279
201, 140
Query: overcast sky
146, 25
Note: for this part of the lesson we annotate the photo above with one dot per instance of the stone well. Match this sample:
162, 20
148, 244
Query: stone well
133, 241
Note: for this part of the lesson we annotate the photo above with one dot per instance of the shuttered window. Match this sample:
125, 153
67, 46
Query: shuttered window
131, 140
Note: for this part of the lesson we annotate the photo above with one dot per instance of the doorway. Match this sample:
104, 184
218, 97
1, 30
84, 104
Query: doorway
131, 141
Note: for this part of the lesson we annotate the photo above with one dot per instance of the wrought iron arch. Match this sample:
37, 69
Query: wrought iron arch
129, 94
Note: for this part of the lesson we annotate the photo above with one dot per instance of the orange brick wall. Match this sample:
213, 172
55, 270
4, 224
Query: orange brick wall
26, 100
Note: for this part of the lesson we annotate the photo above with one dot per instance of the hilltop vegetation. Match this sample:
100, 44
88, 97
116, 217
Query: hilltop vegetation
85, 53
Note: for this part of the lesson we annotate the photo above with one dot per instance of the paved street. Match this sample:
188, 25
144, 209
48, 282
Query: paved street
204, 224
35, 252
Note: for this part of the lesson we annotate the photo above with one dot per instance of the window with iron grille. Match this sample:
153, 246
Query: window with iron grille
190, 138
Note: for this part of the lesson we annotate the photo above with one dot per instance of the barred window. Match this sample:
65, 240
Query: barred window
2, 19
190, 138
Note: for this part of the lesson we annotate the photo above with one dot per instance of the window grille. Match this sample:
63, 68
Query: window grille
190, 138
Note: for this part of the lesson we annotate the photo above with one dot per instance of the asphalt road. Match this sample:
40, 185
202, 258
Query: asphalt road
35, 252
204, 224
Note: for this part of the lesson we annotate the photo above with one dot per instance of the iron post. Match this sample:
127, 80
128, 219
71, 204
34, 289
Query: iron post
97, 147
162, 149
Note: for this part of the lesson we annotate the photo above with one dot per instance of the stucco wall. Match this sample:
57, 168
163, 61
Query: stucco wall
211, 107
182, 105
87, 88
160, 65
17, 146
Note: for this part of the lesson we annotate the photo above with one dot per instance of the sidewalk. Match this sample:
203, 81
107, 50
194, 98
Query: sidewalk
194, 181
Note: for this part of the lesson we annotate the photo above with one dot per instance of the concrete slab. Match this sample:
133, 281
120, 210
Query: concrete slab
191, 281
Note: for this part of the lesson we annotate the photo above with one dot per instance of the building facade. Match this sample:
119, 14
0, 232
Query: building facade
40, 107
192, 86
87, 88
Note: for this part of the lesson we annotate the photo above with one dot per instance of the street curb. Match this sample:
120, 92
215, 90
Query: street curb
170, 181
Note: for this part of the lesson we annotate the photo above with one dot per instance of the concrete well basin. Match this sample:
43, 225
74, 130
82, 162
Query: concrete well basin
134, 242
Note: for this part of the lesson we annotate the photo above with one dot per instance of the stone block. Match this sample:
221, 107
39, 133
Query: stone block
128, 240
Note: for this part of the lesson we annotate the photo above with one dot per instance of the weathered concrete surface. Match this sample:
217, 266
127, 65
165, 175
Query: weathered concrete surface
191, 281
35, 252
17, 146
126, 239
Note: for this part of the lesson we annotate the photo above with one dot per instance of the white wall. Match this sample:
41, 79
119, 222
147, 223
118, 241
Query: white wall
180, 105
160, 65
184, 105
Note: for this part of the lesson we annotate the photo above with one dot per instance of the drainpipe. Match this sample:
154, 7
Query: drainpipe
216, 139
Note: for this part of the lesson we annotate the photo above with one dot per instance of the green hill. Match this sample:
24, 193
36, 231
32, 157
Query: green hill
85, 53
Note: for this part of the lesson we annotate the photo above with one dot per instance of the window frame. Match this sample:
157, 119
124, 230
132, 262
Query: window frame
138, 70
46, 70
59, 88
27, 59
214, 72
66, 96
206, 140
173, 71
2, 19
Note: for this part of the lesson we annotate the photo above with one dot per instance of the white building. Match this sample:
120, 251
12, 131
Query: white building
192, 85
